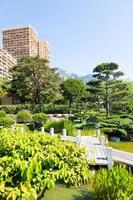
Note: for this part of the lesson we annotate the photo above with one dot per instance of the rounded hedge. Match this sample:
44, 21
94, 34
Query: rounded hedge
2, 114
39, 119
6, 121
24, 116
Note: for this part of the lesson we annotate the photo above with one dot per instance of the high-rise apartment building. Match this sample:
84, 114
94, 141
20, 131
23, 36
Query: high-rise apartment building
23, 41
6, 62
43, 50
20, 41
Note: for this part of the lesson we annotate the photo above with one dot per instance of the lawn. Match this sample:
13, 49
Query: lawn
62, 193
125, 146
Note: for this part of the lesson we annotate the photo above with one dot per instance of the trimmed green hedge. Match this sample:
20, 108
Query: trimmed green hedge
45, 108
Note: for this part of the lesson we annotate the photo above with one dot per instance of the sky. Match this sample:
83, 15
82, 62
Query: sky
81, 33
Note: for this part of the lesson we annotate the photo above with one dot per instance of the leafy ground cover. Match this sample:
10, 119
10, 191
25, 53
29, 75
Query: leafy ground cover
62, 193
125, 146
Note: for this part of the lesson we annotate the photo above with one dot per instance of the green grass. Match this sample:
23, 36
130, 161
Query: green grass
89, 132
125, 146
62, 193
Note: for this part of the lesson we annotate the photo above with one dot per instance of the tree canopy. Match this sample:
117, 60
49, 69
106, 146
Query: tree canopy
33, 79
73, 90
107, 89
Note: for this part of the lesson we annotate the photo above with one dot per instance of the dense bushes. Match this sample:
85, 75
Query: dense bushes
31, 163
24, 116
113, 185
45, 108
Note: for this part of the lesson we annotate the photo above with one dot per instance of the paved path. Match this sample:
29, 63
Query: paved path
123, 157
95, 152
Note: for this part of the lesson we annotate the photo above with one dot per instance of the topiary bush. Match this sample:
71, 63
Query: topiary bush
24, 116
2, 114
6, 121
39, 119
113, 185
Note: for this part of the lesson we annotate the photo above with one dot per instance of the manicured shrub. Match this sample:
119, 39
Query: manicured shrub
117, 132
24, 116
113, 185
39, 119
6, 121
2, 114
107, 131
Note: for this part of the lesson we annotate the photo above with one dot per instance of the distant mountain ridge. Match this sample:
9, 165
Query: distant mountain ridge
64, 74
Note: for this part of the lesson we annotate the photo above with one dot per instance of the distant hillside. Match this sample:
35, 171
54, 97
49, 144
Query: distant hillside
64, 74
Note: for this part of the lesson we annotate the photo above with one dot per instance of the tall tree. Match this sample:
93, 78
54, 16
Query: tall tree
34, 80
107, 86
73, 90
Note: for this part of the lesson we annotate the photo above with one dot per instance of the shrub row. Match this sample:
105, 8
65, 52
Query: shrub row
23, 117
45, 108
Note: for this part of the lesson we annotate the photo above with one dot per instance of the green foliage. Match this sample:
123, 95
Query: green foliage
2, 114
31, 163
113, 185
6, 121
58, 125
92, 121
107, 90
39, 119
89, 132
73, 90
24, 116
34, 80
120, 125
45, 108
3, 91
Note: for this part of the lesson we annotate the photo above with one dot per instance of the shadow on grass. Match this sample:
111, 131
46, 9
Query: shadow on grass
84, 195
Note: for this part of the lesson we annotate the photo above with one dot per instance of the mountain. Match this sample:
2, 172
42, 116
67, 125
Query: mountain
64, 74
